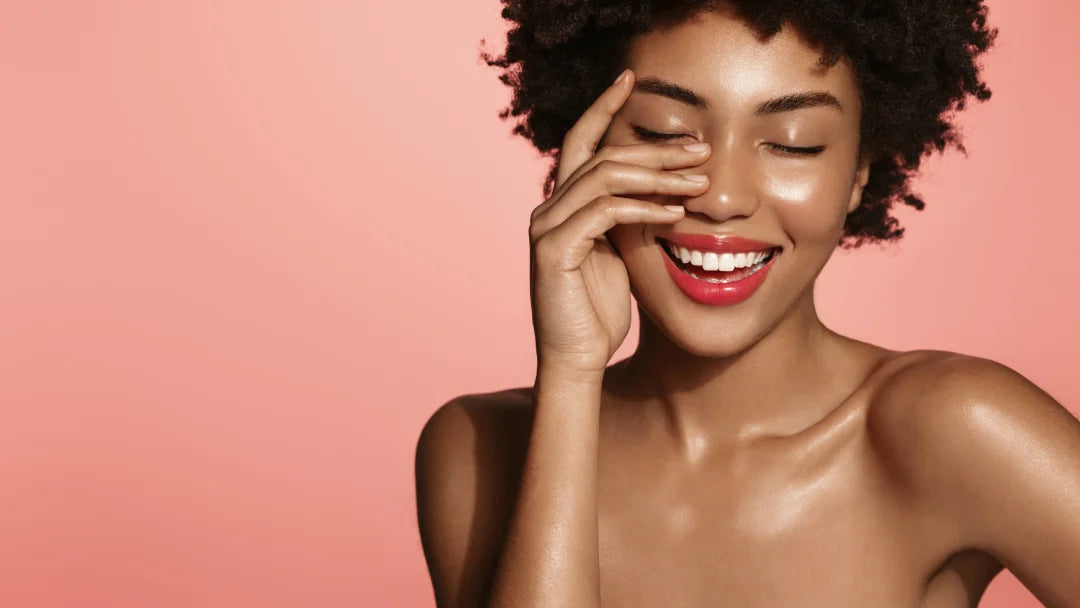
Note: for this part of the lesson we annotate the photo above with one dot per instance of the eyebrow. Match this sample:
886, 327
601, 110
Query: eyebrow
784, 103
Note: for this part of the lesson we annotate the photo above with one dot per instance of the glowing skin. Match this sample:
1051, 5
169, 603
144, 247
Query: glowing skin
744, 455
756, 190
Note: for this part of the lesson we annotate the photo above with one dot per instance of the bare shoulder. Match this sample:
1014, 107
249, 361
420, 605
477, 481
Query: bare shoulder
995, 458
479, 430
469, 456
460, 418
936, 400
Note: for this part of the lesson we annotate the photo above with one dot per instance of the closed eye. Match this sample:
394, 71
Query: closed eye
648, 134
644, 133
810, 151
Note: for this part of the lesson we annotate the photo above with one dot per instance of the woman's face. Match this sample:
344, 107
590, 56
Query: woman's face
757, 188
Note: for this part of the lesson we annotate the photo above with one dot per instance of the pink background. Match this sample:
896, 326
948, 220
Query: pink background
247, 248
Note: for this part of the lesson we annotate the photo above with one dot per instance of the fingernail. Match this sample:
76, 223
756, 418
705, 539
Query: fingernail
696, 147
675, 208
701, 179
622, 77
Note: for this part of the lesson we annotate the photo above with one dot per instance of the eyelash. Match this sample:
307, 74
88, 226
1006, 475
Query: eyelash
655, 136
811, 151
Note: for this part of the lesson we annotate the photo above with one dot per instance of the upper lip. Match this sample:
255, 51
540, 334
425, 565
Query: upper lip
717, 243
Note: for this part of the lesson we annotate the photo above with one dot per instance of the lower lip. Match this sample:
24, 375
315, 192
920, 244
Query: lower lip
716, 294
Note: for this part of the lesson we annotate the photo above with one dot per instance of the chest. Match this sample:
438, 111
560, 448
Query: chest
791, 529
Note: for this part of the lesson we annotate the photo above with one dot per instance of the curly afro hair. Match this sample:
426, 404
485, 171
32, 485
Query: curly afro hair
914, 61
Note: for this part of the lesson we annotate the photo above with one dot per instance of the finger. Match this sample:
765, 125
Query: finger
567, 245
657, 156
614, 178
581, 140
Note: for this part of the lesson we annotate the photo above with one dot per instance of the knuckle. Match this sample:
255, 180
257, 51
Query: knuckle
605, 204
606, 153
676, 180
608, 169
590, 179
544, 249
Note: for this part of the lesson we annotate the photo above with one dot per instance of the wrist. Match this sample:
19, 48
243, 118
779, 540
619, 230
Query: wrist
552, 372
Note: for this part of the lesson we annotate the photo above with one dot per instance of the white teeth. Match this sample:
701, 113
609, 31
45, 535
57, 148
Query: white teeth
710, 260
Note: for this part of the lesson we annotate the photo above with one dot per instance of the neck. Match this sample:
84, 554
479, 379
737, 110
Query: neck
781, 384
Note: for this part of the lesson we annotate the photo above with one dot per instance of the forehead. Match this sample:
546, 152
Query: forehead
720, 57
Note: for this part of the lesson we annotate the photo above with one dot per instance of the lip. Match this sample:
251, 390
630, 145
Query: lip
716, 294
715, 242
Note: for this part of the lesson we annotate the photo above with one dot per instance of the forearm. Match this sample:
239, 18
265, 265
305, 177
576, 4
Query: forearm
551, 553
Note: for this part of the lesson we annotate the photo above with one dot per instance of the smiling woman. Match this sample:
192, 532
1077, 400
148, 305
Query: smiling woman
745, 454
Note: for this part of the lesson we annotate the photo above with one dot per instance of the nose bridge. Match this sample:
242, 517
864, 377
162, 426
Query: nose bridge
732, 173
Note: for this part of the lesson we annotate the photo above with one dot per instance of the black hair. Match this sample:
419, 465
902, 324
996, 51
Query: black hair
914, 61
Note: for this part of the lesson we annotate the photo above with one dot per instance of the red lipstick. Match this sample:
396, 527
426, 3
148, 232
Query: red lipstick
716, 243
712, 292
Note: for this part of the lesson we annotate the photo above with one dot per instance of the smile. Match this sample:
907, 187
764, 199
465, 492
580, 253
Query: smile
715, 271
719, 268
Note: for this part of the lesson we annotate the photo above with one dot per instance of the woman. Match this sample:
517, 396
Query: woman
744, 455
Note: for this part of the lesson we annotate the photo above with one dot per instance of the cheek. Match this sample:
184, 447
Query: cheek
629, 239
811, 204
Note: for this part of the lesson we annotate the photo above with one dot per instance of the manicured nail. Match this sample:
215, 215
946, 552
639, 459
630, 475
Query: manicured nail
701, 179
622, 77
696, 147
675, 208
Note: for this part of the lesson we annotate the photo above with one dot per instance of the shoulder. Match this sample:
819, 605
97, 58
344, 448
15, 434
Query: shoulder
992, 456
941, 401
468, 462
477, 432
934, 386
464, 418
939, 408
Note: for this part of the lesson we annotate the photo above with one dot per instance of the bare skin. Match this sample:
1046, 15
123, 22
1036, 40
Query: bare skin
744, 455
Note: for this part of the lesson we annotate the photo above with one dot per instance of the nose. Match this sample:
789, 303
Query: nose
732, 191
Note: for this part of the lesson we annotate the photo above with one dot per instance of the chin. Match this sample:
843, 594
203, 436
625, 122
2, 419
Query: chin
704, 333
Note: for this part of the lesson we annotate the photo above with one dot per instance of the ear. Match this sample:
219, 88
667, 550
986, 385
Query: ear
862, 175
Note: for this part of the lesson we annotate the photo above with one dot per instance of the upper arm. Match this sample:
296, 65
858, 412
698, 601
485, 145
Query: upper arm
465, 473
999, 458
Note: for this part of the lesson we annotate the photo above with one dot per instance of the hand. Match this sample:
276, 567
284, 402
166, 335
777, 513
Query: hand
579, 285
